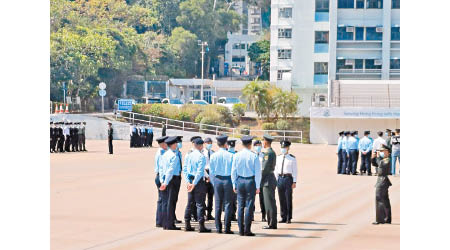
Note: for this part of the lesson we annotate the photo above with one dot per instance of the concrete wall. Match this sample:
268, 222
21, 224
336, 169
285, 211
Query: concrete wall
325, 130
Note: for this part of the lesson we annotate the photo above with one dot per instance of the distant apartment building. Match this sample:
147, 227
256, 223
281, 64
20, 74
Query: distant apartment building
236, 61
318, 43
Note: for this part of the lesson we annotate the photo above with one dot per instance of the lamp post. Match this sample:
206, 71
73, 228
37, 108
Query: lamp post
203, 44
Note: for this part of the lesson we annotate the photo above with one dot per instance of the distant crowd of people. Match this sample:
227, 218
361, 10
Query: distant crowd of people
351, 148
141, 136
67, 137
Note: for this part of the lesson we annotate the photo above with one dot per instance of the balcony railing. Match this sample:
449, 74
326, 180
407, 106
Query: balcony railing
394, 71
358, 71
322, 17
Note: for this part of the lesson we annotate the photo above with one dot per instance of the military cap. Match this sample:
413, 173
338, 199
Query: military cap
179, 138
231, 143
194, 137
388, 130
161, 139
366, 132
352, 133
246, 139
397, 130
171, 140
51, 122
222, 139
355, 132
198, 141
346, 132
84, 123
341, 133
268, 137
256, 142
285, 143
207, 140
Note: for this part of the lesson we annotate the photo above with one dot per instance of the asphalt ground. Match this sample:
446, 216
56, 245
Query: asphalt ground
102, 201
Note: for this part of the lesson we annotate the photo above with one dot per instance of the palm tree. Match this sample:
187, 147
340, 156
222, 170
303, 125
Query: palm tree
256, 94
286, 103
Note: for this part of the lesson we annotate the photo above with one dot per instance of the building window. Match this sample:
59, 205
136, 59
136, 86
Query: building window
322, 5
340, 64
359, 63
280, 74
238, 59
395, 33
284, 33
374, 4
285, 13
395, 64
239, 46
321, 68
395, 4
342, 33
284, 53
373, 35
360, 4
373, 64
321, 37
256, 20
346, 4
359, 33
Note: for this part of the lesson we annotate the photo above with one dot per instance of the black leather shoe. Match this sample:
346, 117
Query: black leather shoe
376, 223
157, 225
288, 222
229, 232
282, 221
177, 221
219, 231
249, 234
241, 233
173, 228
210, 217
269, 227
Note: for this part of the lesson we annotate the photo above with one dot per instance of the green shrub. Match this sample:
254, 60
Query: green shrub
169, 111
192, 110
244, 129
283, 125
239, 109
268, 126
184, 116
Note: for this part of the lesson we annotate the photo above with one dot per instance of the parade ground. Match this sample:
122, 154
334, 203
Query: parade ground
102, 201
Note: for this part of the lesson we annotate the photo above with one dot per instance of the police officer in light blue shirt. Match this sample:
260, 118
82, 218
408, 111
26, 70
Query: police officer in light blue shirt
365, 147
158, 164
231, 148
357, 151
345, 156
339, 153
194, 172
169, 175
352, 151
246, 179
220, 175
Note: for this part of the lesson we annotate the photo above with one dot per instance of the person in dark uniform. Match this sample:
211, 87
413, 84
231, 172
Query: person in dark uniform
159, 165
231, 148
83, 136
75, 137
150, 138
246, 179
257, 146
286, 172
381, 159
60, 136
194, 176
269, 182
52, 137
164, 128
220, 176
168, 174
110, 137
339, 153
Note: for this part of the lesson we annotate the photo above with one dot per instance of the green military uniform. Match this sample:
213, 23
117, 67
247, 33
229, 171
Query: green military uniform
269, 184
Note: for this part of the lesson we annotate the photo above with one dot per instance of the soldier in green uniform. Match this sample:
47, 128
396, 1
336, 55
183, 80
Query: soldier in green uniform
382, 160
269, 182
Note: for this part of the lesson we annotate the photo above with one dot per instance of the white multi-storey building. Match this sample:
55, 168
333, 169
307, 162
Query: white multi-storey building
317, 43
236, 56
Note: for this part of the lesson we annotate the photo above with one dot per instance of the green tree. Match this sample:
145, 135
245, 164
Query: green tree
286, 103
256, 95
259, 52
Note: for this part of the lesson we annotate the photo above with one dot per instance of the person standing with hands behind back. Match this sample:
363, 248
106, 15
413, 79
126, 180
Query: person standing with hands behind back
286, 172
110, 138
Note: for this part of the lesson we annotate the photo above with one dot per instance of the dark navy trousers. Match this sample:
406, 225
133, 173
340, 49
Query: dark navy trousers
159, 202
344, 161
246, 191
196, 196
284, 186
223, 194
340, 161
365, 162
353, 161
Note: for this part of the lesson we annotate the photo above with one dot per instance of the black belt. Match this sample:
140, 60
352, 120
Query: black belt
286, 175
246, 178
222, 176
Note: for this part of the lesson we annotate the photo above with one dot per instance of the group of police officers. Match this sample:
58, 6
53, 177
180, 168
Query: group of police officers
381, 153
141, 136
67, 137
229, 177
351, 148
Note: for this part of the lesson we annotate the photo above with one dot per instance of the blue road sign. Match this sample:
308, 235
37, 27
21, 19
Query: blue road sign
125, 104
102, 92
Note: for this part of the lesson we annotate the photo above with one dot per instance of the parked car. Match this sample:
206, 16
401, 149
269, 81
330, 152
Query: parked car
176, 102
228, 102
200, 102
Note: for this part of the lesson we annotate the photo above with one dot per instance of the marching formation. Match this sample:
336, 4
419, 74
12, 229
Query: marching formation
67, 137
141, 136
351, 148
232, 179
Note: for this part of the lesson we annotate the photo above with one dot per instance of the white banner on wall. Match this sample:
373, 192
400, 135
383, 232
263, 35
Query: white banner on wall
348, 112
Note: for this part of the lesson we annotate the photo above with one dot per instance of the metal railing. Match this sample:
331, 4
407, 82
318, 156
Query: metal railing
359, 71
156, 121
